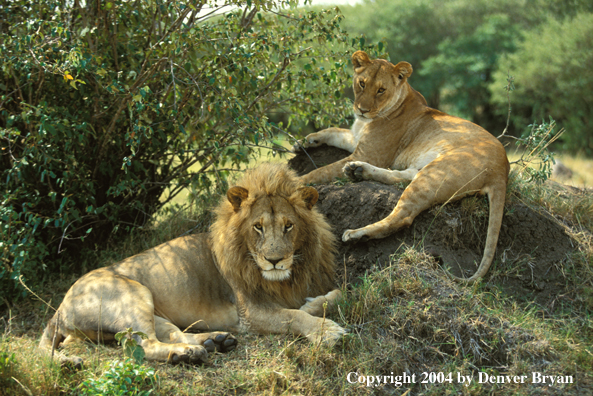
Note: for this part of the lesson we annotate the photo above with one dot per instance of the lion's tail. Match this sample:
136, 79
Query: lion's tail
51, 337
496, 199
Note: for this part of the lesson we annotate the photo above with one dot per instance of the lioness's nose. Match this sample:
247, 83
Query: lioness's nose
274, 261
362, 110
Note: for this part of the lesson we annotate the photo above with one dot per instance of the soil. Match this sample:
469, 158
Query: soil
531, 251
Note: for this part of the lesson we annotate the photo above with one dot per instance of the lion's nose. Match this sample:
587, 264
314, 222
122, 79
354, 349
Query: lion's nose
274, 261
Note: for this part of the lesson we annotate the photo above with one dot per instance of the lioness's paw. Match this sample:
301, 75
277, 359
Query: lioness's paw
355, 170
297, 147
313, 140
221, 342
329, 333
194, 354
353, 235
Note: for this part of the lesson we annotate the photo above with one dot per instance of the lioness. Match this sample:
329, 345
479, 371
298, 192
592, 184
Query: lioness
445, 157
267, 266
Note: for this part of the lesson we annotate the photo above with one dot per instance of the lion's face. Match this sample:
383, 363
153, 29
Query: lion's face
271, 240
378, 85
271, 231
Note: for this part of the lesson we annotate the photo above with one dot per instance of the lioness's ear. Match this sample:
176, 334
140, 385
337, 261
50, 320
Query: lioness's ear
403, 70
236, 195
360, 59
309, 195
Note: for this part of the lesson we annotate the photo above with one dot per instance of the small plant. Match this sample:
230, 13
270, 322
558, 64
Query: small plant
121, 378
537, 154
128, 340
7, 367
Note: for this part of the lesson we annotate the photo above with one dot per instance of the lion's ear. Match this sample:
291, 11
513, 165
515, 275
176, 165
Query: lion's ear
236, 195
309, 195
360, 59
403, 70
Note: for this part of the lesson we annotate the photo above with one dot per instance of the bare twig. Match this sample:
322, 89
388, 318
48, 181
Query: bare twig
297, 142
508, 88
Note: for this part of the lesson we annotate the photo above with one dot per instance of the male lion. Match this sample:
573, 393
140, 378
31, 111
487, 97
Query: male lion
267, 254
445, 158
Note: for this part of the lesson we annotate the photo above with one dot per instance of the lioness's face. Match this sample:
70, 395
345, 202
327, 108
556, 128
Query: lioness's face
378, 85
274, 230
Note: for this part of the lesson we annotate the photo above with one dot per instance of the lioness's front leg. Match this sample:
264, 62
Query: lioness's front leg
358, 170
336, 137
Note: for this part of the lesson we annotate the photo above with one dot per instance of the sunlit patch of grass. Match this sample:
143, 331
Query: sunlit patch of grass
581, 169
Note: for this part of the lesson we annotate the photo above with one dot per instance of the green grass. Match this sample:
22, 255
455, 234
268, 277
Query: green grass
408, 317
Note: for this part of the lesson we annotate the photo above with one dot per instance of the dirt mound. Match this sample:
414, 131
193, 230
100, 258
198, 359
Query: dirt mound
531, 248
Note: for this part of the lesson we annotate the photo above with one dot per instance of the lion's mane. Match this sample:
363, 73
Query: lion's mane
314, 266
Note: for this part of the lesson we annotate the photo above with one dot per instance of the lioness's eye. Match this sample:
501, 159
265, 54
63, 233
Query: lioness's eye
257, 227
381, 90
287, 227
361, 83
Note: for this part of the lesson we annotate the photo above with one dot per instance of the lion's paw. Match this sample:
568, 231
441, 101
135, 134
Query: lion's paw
355, 170
73, 363
221, 342
329, 333
316, 305
193, 354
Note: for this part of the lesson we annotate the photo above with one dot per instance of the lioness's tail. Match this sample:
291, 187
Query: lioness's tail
496, 199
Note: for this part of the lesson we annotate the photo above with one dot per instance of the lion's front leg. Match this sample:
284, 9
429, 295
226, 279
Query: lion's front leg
316, 306
275, 320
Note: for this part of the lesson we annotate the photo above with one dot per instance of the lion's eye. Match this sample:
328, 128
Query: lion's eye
288, 227
381, 90
258, 227
361, 83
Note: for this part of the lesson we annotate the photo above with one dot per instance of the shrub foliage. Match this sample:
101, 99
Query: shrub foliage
107, 105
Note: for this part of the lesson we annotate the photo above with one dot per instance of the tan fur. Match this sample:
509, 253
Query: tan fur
273, 279
445, 158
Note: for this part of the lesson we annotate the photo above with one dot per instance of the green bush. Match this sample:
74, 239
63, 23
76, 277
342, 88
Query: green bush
105, 107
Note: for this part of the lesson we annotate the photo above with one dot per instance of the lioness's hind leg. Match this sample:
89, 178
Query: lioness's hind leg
215, 341
445, 179
358, 170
